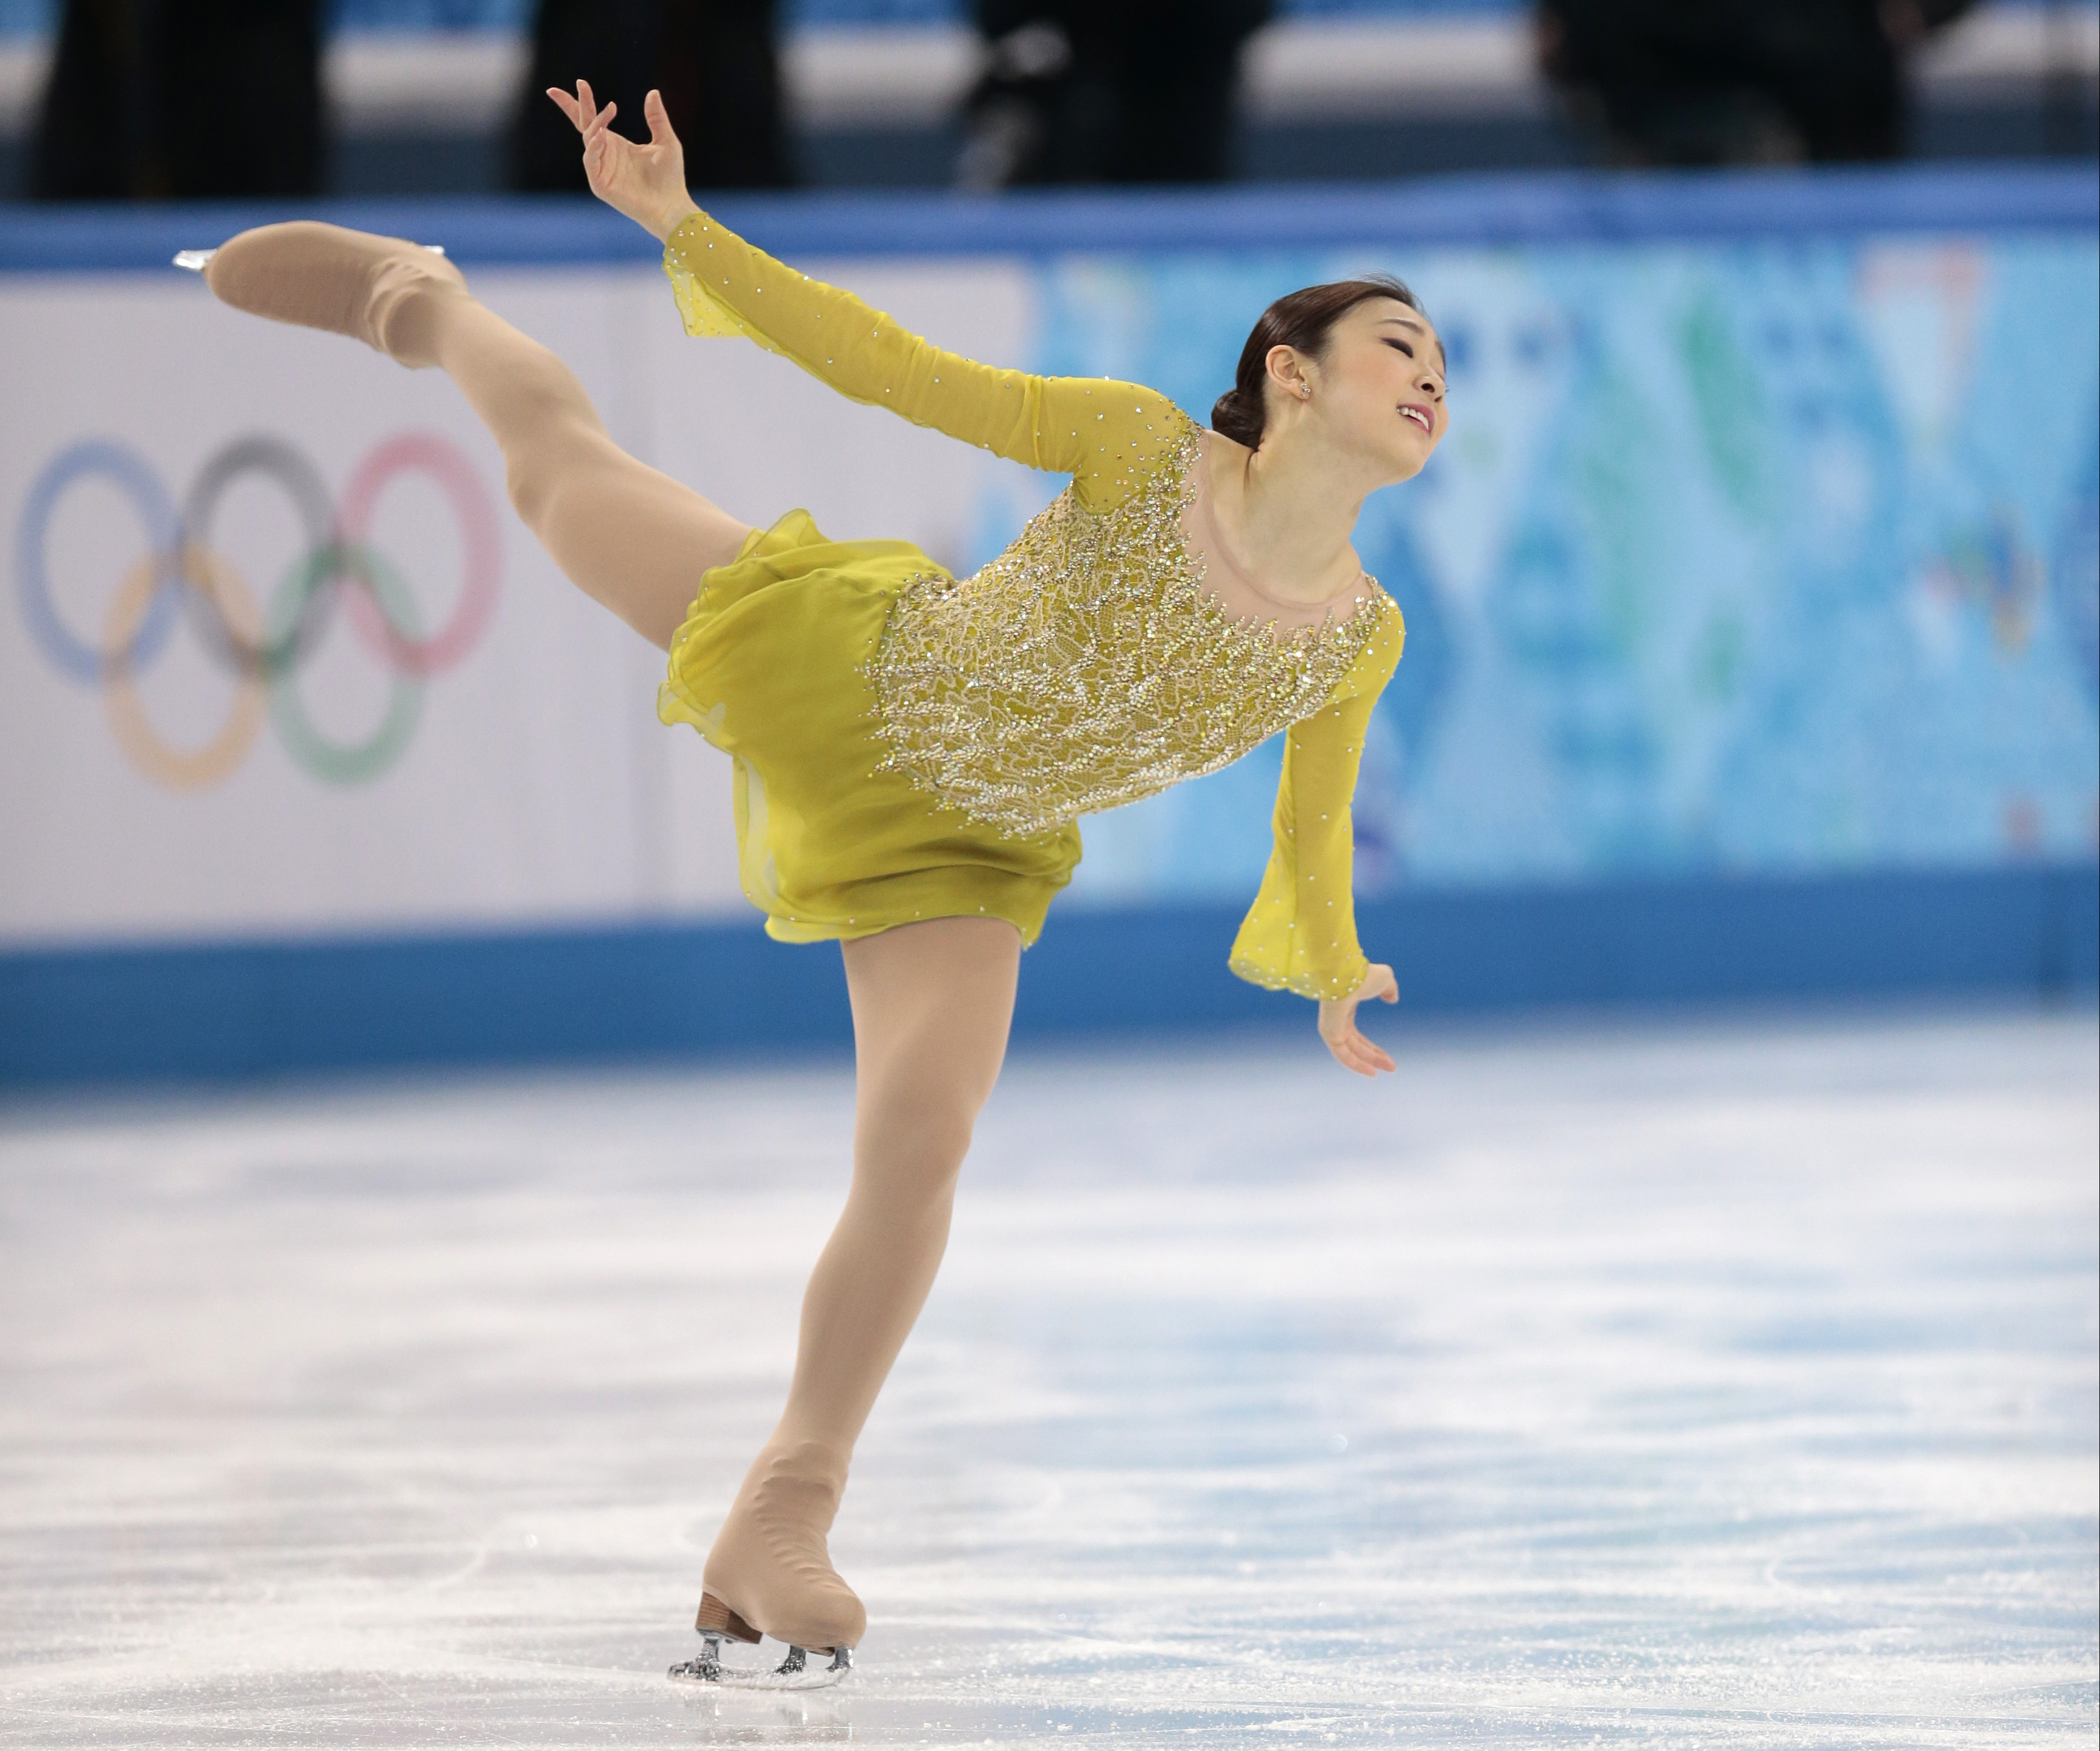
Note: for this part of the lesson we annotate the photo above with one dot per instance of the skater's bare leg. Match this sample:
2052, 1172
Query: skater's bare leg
932, 1004
631, 537
635, 539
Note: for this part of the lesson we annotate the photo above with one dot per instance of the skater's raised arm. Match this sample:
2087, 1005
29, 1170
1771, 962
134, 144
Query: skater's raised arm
1108, 435
1300, 934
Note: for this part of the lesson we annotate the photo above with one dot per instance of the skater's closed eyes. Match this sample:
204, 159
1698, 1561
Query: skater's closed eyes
913, 751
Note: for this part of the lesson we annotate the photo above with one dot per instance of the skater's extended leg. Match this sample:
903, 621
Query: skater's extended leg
931, 1003
630, 536
635, 539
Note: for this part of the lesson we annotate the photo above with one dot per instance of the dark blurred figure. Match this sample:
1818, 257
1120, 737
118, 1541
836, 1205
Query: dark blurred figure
714, 61
158, 100
1105, 91
1738, 81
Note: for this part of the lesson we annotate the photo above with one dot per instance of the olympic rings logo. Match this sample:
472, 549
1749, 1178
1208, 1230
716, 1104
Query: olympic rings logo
182, 576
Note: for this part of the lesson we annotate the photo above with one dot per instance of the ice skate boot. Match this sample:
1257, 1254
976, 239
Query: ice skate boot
770, 1573
323, 276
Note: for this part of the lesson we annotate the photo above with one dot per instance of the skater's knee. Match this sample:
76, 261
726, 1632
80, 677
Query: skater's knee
544, 475
918, 1142
936, 1138
530, 486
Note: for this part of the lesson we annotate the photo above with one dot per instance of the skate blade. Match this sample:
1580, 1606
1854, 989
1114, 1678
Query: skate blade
796, 1672
197, 260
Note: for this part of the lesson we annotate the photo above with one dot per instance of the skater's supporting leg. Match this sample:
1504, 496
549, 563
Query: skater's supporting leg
931, 1003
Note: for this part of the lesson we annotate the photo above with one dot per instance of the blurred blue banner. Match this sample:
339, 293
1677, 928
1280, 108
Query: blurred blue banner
1772, 556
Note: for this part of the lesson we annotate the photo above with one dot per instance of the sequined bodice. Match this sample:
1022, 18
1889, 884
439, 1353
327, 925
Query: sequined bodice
1089, 664
1086, 667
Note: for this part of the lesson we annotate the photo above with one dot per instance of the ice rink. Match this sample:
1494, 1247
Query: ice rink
1720, 1383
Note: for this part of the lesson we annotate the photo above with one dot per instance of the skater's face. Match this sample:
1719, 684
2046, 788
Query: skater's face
1377, 387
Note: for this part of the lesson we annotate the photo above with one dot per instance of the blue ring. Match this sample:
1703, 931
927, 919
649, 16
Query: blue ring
96, 456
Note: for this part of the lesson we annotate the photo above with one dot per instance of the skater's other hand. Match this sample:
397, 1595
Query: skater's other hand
646, 183
1338, 1024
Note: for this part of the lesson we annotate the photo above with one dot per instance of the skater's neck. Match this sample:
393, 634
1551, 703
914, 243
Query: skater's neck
1288, 510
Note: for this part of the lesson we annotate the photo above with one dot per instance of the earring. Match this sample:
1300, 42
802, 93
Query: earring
1304, 394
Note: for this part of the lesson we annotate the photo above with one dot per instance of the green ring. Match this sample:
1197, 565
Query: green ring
357, 762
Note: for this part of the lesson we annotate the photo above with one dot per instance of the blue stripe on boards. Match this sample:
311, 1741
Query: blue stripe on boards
133, 1015
555, 231
254, 1009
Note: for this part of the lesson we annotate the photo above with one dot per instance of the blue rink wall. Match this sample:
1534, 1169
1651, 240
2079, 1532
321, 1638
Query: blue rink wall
1754, 610
170, 1013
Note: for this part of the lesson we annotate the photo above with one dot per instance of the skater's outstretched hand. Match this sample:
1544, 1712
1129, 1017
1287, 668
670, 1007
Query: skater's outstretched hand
1337, 1023
646, 183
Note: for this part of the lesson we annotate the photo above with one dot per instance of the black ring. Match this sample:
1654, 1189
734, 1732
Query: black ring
314, 505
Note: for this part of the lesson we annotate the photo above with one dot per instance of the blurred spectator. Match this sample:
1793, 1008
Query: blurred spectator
1105, 91
714, 61
1738, 81
152, 99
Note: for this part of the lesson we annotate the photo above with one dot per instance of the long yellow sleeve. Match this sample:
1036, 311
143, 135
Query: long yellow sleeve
1300, 934
1108, 436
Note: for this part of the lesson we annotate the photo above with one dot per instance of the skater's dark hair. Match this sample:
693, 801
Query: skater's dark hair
1302, 320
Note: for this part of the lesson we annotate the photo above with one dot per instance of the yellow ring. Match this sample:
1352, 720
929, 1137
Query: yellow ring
214, 577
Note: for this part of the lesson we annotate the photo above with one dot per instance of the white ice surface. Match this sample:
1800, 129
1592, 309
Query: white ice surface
1721, 1386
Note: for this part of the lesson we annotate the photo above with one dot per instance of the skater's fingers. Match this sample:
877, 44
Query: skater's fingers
659, 119
1357, 1054
1349, 1060
1338, 1026
567, 104
585, 102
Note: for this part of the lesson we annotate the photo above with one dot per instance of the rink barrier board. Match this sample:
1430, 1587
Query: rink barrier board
1486, 208
142, 1015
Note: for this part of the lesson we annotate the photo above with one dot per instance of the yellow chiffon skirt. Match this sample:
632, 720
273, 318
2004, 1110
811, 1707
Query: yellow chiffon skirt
772, 665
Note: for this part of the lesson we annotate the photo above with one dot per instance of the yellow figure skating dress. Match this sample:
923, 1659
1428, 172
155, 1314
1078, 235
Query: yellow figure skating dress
909, 744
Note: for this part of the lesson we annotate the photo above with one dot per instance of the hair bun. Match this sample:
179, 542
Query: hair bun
1239, 416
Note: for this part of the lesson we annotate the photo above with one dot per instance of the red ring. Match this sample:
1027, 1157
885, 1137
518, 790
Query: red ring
476, 521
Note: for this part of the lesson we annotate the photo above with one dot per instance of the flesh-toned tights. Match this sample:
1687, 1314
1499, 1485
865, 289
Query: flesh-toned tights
931, 1002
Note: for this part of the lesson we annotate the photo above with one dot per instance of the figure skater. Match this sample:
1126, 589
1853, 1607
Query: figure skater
912, 750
